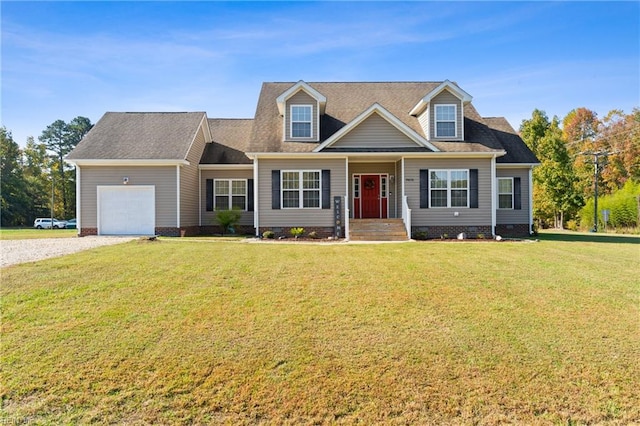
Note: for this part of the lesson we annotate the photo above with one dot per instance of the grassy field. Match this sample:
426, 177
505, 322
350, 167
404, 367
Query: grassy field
200, 332
32, 233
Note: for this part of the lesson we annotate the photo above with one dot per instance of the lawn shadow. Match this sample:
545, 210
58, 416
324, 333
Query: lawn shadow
583, 237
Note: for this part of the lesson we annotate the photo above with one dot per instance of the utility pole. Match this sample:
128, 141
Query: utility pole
596, 171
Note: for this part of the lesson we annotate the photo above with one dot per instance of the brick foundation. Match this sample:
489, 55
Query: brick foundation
513, 230
450, 232
85, 232
285, 231
217, 230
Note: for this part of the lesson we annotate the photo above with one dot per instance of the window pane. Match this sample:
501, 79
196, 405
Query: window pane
301, 130
459, 198
438, 198
290, 180
459, 179
446, 128
311, 180
445, 112
222, 187
356, 187
222, 202
301, 113
311, 198
290, 199
505, 201
238, 202
239, 187
504, 186
438, 179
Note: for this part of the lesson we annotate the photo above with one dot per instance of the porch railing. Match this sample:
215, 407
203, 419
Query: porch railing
406, 214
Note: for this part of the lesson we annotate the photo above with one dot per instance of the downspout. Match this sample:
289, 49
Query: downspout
493, 196
256, 207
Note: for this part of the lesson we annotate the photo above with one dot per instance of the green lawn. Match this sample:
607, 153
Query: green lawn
199, 332
31, 233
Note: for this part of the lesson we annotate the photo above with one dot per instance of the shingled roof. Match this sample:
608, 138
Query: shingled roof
139, 136
345, 101
230, 141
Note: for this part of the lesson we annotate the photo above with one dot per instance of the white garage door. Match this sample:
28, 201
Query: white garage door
126, 210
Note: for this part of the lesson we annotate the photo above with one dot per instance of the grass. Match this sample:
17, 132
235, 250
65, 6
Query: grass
32, 233
182, 331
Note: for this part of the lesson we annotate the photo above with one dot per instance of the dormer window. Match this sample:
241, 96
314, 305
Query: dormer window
301, 121
445, 121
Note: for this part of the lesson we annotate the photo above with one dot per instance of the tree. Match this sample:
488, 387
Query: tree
13, 208
60, 138
555, 193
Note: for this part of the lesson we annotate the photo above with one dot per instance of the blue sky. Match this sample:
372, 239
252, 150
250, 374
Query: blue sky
64, 59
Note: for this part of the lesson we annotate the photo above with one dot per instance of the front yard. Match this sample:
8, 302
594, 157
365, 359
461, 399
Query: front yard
187, 331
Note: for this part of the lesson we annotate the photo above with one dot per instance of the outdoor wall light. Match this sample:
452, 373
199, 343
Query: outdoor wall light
392, 179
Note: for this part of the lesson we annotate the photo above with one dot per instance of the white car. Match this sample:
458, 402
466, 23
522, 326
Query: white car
45, 223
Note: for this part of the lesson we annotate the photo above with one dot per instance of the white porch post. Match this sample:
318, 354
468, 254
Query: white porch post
178, 196
494, 204
347, 210
256, 207
78, 200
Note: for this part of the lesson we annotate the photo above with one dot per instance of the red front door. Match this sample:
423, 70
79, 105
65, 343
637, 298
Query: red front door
370, 196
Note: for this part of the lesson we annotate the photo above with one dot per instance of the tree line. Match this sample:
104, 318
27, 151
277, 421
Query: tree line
36, 179
564, 184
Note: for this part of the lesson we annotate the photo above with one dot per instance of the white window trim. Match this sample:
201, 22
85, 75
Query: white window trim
300, 190
291, 121
505, 193
230, 195
449, 189
436, 121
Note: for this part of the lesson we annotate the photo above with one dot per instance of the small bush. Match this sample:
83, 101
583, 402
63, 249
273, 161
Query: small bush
480, 236
313, 235
228, 219
572, 225
296, 232
420, 235
268, 235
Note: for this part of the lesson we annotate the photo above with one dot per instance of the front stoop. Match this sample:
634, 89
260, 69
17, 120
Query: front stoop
377, 230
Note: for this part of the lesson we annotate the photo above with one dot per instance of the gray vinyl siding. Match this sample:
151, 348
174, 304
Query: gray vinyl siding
445, 216
301, 98
163, 178
208, 218
446, 97
511, 216
375, 132
423, 119
189, 200
377, 168
269, 217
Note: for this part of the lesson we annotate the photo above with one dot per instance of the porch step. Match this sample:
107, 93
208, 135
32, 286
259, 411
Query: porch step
377, 230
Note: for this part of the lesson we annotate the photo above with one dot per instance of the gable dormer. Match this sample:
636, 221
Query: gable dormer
300, 107
441, 112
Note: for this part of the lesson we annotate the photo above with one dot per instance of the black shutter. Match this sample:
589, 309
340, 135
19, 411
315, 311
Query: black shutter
209, 195
250, 195
275, 189
473, 188
424, 188
517, 194
326, 189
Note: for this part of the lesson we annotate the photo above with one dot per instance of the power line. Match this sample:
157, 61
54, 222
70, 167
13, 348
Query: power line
596, 162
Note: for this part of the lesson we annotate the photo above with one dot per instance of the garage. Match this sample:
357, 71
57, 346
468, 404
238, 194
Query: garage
126, 210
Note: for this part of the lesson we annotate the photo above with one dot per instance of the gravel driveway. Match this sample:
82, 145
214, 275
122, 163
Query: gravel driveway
21, 251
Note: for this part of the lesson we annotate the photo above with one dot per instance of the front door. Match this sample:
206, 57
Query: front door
370, 196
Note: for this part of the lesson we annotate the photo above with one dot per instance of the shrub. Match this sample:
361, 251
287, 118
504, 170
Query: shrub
420, 235
313, 235
228, 219
270, 235
296, 232
572, 225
